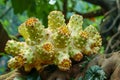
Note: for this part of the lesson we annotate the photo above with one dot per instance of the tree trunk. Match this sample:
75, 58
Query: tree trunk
3, 38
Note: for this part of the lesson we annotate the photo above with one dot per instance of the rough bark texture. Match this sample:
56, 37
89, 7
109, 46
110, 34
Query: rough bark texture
3, 38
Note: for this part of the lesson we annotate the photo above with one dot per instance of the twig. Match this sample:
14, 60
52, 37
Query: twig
96, 2
92, 13
110, 11
110, 41
114, 22
118, 5
65, 8
105, 4
115, 44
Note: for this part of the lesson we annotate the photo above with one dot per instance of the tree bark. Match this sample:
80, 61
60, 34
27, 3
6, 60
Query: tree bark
3, 38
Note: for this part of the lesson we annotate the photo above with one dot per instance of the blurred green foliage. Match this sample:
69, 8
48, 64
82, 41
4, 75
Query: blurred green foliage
3, 63
22, 9
9, 20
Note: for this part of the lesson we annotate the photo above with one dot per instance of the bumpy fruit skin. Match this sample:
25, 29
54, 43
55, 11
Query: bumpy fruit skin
61, 37
55, 20
56, 44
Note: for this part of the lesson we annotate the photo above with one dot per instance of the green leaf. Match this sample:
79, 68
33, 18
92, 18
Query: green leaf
21, 5
94, 73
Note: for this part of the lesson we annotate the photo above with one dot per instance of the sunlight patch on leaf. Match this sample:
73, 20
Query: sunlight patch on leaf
52, 2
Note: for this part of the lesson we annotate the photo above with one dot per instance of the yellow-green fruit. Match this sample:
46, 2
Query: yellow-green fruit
94, 41
56, 20
80, 40
14, 47
16, 62
57, 44
47, 50
61, 37
35, 29
75, 24
23, 31
63, 61
75, 54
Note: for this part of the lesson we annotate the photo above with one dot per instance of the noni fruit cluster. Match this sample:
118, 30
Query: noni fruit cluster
57, 44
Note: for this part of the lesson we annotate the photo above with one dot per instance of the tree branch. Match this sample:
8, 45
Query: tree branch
112, 38
92, 13
118, 5
3, 38
96, 2
65, 8
105, 4
113, 24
